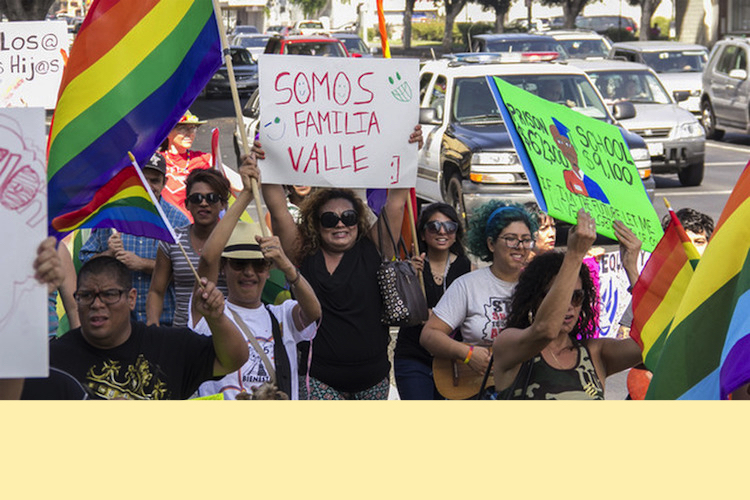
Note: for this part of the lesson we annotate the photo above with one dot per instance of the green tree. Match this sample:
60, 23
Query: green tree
648, 7
25, 10
310, 7
452, 8
571, 9
500, 7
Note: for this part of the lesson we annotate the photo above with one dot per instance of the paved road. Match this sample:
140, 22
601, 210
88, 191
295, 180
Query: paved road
725, 161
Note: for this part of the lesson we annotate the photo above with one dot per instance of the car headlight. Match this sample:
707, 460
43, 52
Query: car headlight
494, 158
219, 76
687, 130
640, 154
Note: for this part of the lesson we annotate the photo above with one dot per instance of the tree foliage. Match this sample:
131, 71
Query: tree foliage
500, 7
25, 10
310, 7
571, 9
648, 7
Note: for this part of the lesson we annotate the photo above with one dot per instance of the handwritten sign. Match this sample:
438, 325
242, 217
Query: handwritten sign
23, 205
31, 62
613, 291
334, 121
574, 161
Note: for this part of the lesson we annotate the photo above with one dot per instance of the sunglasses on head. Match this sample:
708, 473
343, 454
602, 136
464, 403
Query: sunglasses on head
259, 265
331, 219
434, 226
197, 198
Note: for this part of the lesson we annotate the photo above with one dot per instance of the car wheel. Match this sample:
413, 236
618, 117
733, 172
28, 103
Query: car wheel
709, 121
692, 175
455, 193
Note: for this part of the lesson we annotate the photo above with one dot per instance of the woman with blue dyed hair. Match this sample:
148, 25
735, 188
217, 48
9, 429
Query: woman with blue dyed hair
476, 304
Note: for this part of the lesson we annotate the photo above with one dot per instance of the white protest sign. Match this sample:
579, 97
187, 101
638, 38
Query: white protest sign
31, 62
23, 211
334, 121
613, 291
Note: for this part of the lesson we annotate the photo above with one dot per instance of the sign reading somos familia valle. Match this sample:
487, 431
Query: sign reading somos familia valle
574, 161
334, 121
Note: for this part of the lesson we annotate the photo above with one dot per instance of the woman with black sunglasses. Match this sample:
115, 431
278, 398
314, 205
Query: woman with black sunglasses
442, 261
337, 252
548, 350
207, 194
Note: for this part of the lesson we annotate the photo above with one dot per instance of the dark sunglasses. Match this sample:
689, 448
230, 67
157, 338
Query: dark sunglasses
197, 198
259, 265
434, 226
331, 219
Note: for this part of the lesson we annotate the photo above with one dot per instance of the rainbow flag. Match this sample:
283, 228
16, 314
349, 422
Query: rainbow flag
133, 71
660, 288
707, 352
123, 203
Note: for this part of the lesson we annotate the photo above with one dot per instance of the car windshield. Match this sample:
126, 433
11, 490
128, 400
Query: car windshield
524, 46
242, 57
247, 41
640, 87
585, 48
574, 91
329, 49
312, 25
355, 45
676, 61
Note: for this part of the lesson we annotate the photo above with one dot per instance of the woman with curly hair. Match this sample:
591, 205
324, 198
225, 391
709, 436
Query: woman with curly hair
337, 252
548, 350
477, 303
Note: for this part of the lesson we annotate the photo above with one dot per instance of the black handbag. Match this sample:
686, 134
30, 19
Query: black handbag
404, 303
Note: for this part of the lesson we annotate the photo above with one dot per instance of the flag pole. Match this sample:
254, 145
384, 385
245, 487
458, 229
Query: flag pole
409, 206
238, 112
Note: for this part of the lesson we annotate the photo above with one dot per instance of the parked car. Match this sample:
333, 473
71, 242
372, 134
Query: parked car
522, 23
309, 27
254, 43
679, 65
468, 156
517, 42
244, 29
245, 74
278, 29
306, 46
602, 24
354, 44
673, 135
725, 102
582, 44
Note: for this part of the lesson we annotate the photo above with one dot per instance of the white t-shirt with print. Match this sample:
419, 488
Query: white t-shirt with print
478, 303
253, 373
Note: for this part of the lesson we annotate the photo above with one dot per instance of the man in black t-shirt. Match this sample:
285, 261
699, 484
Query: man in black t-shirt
115, 358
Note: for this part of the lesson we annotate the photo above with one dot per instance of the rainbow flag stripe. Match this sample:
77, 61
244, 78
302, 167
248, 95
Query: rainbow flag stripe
706, 353
124, 204
659, 289
133, 71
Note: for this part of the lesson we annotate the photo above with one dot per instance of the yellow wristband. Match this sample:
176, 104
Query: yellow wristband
468, 356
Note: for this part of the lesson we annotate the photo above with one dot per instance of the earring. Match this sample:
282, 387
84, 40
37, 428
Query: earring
531, 317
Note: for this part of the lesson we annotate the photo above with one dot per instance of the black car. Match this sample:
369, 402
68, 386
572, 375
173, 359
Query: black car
245, 74
517, 42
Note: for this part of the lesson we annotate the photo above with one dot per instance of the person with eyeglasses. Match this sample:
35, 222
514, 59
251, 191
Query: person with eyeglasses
547, 350
238, 250
442, 261
207, 195
181, 159
118, 358
337, 251
476, 304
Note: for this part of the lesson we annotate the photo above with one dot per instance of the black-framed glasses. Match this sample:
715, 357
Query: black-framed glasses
239, 265
514, 242
331, 219
577, 299
109, 296
197, 198
448, 226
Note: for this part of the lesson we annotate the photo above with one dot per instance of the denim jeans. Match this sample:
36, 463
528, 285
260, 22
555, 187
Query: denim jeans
414, 380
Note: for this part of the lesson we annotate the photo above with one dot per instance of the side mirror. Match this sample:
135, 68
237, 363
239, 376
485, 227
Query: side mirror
680, 95
739, 74
428, 116
623, 110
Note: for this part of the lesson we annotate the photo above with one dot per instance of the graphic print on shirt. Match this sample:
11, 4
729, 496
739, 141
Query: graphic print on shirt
254, 372
140, 380
496, 313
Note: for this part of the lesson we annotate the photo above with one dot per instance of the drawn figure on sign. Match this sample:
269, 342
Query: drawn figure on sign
402, 92
275, 129
395, 169
341, 90
575, 180
302, 89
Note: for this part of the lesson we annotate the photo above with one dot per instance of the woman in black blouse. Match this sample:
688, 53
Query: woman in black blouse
442, 261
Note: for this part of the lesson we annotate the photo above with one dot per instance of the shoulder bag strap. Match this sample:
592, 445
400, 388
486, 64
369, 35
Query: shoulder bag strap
254, 342
390, 235
281, 358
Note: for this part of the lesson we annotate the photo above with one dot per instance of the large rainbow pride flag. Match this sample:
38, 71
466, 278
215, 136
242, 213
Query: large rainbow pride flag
660, 288
133, 71
707, 352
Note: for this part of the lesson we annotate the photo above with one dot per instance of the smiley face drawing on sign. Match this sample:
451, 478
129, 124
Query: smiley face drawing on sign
275, 129
395, 169
402, 91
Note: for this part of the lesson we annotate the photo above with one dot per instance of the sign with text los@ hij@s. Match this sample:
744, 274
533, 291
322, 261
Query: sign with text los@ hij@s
574, 161
334, 121
32, 55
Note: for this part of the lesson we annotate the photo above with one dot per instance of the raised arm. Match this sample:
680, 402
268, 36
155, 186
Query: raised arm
630, 249
160, 279
68, 286
514, 346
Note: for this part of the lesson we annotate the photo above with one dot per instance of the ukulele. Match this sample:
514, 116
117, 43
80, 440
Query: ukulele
455, 380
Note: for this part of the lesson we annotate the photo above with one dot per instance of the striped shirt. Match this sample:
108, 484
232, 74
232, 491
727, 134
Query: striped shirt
182, 276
